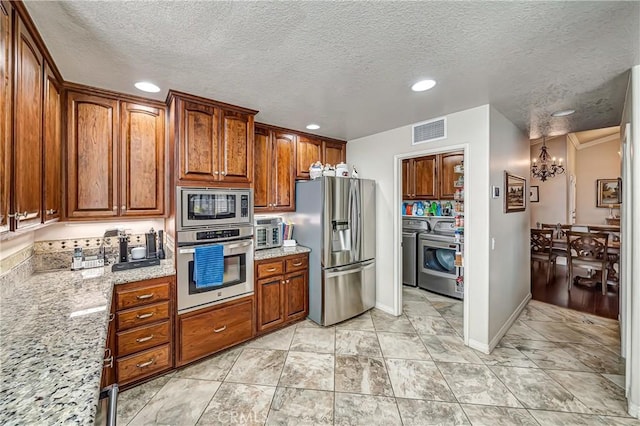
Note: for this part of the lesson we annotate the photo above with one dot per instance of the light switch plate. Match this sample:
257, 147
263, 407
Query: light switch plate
495, 191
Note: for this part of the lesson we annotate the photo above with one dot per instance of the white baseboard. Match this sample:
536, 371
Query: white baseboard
482, 347
507, 325
385, 308
633, 410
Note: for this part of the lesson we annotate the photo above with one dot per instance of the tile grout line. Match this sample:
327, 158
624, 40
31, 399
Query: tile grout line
150, 399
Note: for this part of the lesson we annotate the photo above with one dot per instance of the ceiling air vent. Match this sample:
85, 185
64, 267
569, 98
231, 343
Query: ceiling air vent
429, 131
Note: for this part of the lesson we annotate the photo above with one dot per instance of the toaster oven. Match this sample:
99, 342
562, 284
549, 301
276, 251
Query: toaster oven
268, 232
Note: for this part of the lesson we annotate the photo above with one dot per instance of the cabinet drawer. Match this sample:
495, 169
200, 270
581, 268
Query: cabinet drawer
270, 269
143, 364
130, 297
297, 263
143, 315
211, 331
138, 339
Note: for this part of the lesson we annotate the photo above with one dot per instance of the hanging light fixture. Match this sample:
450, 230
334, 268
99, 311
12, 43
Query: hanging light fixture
547, 167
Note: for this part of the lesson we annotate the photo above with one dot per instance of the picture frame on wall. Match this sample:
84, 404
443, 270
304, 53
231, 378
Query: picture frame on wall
608, 193
534, 194
514, 193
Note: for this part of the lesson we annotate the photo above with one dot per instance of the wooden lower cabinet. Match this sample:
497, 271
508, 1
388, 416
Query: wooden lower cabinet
282, 291
207, 331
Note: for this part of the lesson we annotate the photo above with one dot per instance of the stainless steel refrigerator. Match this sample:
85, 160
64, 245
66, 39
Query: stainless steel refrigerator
336, 218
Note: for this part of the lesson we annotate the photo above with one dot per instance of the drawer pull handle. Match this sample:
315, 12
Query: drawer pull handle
219, 330
271, 269
297, 264
146, 364
145, 296
144, 316
144, 339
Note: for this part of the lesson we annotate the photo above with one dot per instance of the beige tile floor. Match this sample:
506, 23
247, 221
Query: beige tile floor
553, 367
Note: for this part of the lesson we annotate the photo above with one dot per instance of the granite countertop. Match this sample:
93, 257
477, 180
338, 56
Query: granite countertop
279, 252
53, 329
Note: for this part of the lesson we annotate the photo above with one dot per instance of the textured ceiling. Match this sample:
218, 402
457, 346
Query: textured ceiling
348, 65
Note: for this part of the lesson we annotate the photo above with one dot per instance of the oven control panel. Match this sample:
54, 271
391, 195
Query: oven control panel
244, 206
217, 234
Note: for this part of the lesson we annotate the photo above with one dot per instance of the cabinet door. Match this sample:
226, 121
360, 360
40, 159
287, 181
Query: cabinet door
5, 113
407, 179
296, 301
198, 140
92, 152
424, 172
27, 144
334, 152
236, 154
142, 160
52, 201
446, 176
308, 151
271, 303
262, 168
283, 179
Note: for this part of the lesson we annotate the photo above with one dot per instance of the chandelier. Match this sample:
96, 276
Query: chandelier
547, 167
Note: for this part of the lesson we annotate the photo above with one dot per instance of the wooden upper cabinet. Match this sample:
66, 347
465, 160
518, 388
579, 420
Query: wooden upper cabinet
446, 174
425, 178
199, 128
142, 160
27, 144
5, 113
308, 151
283, 182
334, 152
407, 179
52, 200
262, 168
236, 156
92, 152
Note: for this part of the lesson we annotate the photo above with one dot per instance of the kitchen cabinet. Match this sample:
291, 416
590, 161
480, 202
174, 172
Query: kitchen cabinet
213, 141
446, 175
52, 196
274, 184
108, 363
27, 141
308, 151
5, 112
282, 291
206, 331
115, 157
334, 152
419, 178
142, 340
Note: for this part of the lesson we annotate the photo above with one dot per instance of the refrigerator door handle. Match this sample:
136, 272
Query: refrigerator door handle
349, 269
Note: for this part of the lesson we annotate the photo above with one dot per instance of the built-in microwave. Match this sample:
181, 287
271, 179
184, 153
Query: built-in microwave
198, 208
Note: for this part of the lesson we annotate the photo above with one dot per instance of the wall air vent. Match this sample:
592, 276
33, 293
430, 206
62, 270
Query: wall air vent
429, 131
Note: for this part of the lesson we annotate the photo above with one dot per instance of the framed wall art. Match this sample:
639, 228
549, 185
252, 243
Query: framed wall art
608, 193
534, 194
514, 190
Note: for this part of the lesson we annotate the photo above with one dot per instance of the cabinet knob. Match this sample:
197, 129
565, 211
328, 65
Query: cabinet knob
223, 173
123, 207
115, 208
215, 173
52, 211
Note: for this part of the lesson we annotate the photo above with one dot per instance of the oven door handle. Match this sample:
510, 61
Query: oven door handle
229, 246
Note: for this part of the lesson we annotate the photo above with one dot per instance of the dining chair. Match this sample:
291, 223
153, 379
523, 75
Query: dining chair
588, 250
541, 250
612, 255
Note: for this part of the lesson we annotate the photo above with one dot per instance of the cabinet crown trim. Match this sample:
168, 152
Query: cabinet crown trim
193, 98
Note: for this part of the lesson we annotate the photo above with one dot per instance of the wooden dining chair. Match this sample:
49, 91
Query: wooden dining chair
541, 250
613, 257
588, 250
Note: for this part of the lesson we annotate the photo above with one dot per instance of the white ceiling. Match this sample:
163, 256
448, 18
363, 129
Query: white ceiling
348, 65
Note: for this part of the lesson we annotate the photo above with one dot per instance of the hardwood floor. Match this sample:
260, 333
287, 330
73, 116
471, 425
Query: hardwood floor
581, 298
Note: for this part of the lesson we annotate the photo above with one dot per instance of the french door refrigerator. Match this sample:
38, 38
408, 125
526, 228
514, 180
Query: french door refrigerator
336, 218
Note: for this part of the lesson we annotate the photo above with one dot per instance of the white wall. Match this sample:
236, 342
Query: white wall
552, 207
595, 162
509, 271
374, 157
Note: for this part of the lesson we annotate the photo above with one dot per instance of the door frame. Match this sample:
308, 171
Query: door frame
397, 234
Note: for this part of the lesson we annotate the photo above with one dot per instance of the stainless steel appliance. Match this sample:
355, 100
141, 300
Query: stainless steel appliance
336, 218
436, 259
107, 406
198, 208
410, 230
268, 231
237, 242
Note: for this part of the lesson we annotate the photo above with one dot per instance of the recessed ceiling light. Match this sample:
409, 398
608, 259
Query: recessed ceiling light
563, 113
145, 86
423, 85
313, 126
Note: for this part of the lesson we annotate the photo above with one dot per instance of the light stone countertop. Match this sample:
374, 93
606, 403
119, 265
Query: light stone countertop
53, 329
279, 252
